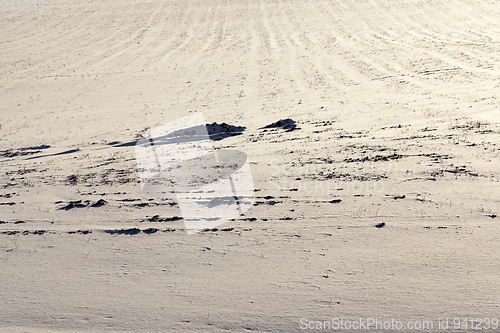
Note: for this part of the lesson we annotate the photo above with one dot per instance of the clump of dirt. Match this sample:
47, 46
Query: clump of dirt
220, 131
157, 218
287, 124
99, 203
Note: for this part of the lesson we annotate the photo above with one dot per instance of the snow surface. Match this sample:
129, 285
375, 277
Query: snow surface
379, 201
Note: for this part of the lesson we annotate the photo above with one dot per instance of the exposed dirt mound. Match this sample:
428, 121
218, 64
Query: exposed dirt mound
222, 131
287, 124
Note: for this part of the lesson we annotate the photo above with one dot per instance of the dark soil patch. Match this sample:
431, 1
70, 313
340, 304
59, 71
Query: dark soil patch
157, 218
221, 131
131, 231
375, 158
287, 124
150, 230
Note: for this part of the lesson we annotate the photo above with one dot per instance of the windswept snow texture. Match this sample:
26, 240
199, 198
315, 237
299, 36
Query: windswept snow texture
371, 130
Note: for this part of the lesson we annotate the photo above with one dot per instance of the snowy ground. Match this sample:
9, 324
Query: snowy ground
380, 202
